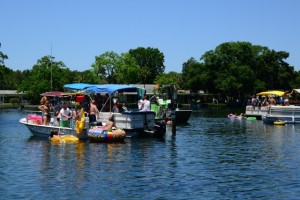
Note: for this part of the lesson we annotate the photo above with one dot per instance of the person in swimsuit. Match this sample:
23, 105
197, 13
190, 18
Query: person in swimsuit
45, 108
93, 112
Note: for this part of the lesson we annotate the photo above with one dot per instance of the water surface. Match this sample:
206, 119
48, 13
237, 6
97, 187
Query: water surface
209, 158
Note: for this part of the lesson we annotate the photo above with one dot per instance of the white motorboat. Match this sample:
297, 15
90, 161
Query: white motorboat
45, 130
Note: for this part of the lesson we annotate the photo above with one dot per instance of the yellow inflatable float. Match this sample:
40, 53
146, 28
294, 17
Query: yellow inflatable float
279, 122
56, 138
80, 123
64, 139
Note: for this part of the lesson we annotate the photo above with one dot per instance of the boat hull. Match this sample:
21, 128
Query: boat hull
136, 123
287, 114
286, 119
182, 116
45, 131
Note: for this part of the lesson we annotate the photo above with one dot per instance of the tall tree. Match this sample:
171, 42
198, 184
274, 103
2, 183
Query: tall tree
237, 69
3, 70
40, 75
104, 66
171, 78
185, 71
127, 70
151, 62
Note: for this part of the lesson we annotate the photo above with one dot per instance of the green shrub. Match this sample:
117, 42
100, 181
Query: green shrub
14, 101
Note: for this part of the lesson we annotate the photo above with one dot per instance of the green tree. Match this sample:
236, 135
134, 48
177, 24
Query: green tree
127, 71
171, 78
86, 76
185, 72
104, 66
4, 71
197, 77
38, 79
151, 62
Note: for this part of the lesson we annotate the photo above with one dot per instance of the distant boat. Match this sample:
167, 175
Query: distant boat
261, 110
288, 114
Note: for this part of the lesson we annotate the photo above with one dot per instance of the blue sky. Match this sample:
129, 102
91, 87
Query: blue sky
78, 31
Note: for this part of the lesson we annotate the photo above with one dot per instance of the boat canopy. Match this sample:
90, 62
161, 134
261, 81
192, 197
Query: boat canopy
297, 90
77, 86
104, 88
271, 92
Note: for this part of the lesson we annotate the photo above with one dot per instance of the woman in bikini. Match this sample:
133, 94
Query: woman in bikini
45, 108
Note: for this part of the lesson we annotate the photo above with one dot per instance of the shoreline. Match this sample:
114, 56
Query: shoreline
26, 107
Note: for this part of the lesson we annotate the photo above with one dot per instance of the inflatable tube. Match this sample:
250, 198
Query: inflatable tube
64, 139
279, 122
98, 134
251, 118
80, 123
231, 116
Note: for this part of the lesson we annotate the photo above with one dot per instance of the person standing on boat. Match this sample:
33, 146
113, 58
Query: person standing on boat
146, 104
254, 102
86, 104
45, 108
75, 116
286, 97
272, 101
93, 112
116, 107
65, 115
140, 103
57, 109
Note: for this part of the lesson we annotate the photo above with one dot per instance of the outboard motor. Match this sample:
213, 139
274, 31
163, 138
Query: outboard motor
160, 128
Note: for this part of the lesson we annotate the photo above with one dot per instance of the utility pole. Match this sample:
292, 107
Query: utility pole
51, 65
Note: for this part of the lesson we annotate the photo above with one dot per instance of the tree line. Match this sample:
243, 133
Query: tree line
233, 70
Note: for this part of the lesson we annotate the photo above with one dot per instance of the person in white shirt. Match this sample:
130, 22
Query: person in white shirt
140, 103
146, 104
65, 115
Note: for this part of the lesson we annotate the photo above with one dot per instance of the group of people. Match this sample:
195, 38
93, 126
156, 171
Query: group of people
256, 101
66, 115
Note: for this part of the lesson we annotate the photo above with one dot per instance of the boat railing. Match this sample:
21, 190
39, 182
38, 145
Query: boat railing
284, 111
250, 110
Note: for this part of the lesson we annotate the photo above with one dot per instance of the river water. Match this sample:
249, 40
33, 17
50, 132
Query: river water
209, 158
